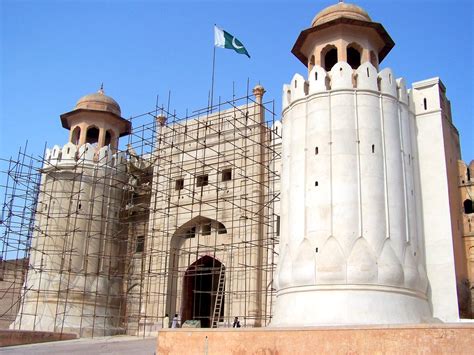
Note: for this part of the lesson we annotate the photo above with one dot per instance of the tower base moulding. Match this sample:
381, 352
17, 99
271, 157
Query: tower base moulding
408, 339
347, 305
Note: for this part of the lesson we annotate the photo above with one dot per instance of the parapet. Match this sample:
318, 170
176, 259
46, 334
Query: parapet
343, 77
69, 156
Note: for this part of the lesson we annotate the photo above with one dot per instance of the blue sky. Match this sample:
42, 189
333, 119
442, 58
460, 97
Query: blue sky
54, 52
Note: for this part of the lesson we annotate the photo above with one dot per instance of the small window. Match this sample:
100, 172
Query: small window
468, 208
226, 174
140, 244
190, 233
425, 103
278, 226
206, 229
373, 148
179, 184
202, 180
316, 151
316, 183
221, 229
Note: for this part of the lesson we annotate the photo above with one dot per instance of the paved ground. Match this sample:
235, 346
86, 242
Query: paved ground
105, 345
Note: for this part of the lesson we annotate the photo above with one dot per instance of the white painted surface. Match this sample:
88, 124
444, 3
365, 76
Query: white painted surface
435, 202
350, 254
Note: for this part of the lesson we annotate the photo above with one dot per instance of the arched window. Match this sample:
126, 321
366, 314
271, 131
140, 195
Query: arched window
92, 136
76, 133
329, 57
108, 137
353, 55
468, 209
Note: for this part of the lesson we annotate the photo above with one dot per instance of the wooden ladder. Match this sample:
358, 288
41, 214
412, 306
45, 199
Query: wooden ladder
216, 315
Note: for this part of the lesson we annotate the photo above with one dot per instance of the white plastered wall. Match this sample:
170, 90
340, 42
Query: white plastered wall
433, 131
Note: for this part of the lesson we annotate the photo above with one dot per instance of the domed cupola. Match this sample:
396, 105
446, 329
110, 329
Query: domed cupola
341, 9
342, 32
100, 102
96, 119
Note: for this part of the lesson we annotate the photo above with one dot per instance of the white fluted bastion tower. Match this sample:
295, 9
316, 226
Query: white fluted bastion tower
351, 240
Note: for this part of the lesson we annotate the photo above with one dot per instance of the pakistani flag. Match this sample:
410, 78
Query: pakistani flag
224, 39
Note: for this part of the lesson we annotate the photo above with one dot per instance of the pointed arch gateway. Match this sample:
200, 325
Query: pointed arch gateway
194, 271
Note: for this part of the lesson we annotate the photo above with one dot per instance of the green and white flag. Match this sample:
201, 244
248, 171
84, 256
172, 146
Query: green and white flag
223, 39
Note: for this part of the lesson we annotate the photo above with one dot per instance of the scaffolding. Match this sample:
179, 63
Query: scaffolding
183, 221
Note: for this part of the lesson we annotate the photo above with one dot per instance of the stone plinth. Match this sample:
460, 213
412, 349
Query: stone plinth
407, 339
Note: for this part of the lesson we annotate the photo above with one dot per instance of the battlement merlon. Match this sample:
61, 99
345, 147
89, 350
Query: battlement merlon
70, 157
424, 96
343, 77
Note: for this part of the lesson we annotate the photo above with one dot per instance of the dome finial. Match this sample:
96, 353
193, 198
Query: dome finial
101, 90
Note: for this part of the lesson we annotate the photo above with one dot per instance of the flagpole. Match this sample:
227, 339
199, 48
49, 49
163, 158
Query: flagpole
212, 80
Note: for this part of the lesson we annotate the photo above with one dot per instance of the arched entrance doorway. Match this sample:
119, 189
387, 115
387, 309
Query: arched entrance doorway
188, 269
201, 289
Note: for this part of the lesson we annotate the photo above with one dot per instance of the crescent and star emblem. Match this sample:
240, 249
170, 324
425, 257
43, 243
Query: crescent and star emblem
235, 45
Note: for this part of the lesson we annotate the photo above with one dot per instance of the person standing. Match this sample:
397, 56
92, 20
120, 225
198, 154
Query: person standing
166, 321
175, 323
236, 323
